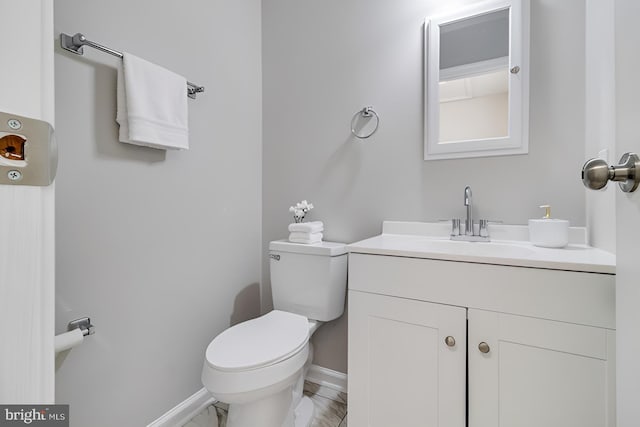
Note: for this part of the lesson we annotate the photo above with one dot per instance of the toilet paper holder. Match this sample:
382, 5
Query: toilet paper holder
76, 331
84, 324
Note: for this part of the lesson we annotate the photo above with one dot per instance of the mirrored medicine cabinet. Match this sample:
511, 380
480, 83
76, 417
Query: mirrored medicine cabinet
477, 81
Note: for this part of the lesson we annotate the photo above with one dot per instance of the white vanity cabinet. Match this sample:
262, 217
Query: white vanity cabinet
539, 372
533, 346
401, 372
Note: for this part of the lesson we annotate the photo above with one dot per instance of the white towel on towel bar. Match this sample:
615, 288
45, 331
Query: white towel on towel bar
152, 105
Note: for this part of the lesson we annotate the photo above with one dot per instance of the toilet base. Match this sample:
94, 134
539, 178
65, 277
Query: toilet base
273, 411
304, 413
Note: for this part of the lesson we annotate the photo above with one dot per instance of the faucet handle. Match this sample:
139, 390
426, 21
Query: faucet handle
455, 227
483, 228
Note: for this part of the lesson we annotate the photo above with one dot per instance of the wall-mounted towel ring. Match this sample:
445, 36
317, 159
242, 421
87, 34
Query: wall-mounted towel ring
364, 123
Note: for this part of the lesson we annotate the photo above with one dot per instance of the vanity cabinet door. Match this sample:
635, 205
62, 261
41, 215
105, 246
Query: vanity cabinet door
403, 371
530, 372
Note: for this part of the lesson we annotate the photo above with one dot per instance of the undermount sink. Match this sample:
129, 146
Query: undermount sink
509, 245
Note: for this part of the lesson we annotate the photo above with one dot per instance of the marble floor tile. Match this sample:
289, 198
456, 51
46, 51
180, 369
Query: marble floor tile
328, 413
330, 409
327, 392
222, 405
207, 418
222, 409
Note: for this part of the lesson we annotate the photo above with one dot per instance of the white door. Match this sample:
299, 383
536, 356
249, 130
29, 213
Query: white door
27, 213
402, 372
627, 17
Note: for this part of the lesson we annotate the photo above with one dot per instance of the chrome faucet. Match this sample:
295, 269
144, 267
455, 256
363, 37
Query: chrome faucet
468, 224
469, 235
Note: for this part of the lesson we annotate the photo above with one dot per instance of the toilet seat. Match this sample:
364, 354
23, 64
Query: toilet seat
258, 343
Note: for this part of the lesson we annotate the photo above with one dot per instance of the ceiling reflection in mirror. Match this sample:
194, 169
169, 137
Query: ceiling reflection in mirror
474, 78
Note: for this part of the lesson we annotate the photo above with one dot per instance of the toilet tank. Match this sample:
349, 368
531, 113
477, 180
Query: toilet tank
310, 280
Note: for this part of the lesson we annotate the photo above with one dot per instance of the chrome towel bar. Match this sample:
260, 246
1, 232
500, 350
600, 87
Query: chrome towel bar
75, 45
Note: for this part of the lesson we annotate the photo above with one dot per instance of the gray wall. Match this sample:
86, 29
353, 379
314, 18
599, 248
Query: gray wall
323, 61
160, 249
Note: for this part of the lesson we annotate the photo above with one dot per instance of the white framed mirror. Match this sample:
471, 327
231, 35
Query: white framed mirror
477, 81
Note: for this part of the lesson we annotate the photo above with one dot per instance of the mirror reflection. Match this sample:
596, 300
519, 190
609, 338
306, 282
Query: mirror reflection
474, 78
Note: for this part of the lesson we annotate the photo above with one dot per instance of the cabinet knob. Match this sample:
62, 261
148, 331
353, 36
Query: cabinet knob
450, 341
484, 347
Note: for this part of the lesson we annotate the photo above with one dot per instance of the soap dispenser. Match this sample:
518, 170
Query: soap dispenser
549, 232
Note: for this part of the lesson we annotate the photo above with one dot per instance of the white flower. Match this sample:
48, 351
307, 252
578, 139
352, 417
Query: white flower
300, 210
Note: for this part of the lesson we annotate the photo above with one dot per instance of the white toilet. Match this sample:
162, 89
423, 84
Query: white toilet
258, 366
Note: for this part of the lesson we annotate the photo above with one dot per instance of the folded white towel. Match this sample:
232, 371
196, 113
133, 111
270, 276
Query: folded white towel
152, 105
307, 227
306, 238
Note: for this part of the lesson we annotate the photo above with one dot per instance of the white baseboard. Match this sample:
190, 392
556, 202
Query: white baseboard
184, 411
328, 378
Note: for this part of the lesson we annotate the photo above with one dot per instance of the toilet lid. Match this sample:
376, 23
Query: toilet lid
259, 342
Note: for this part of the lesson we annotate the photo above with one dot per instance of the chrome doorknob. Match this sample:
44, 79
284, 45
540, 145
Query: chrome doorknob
596, 173
484, 347
450, 341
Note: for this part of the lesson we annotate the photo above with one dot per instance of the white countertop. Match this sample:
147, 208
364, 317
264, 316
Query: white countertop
509, 246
